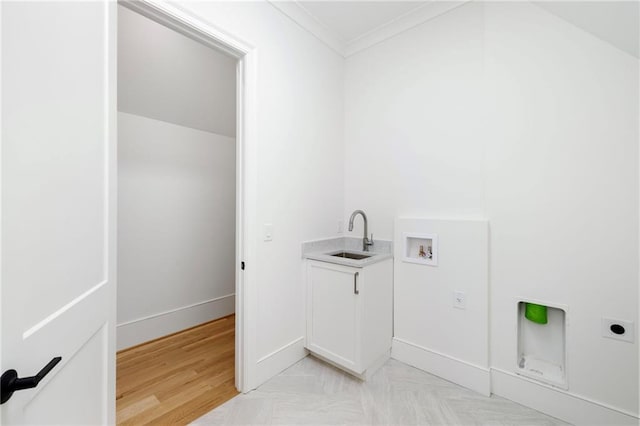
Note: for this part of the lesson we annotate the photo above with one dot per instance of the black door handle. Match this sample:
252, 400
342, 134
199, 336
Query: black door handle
9, 382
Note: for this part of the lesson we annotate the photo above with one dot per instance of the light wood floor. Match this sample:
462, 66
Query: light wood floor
177, 378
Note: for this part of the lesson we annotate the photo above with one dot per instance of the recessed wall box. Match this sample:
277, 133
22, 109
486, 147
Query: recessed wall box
542, 346
420, 248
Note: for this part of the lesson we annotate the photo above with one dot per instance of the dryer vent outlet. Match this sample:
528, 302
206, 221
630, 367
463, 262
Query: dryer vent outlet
618, 329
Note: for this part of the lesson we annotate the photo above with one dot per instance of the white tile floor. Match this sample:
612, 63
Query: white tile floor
312, 392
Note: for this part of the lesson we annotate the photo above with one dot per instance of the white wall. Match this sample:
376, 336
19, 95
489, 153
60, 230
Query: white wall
176, 228
408, 155
412, 124
169, 77
562, 191
299, 165
507, 112
428, 333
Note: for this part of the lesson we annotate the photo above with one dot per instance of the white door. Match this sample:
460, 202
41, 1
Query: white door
333, 312
57, 230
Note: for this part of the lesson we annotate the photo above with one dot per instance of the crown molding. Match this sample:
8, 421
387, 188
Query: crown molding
298, 14
296, 11
402, 23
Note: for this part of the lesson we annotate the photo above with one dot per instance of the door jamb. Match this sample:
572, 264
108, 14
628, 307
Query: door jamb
186, 23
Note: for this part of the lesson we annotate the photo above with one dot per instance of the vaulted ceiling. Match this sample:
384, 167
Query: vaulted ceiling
616, 22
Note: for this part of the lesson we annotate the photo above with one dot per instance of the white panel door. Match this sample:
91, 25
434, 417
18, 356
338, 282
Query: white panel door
57, 230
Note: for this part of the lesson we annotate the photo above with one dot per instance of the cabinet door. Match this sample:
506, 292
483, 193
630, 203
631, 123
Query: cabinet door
333, 317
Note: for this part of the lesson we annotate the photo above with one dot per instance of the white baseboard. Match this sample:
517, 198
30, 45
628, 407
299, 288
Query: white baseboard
376, 365
454, 370
368, 373
279, 360
142, 330
556, 402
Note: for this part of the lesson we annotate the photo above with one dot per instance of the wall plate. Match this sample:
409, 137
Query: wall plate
459, 299
268, 232
618, 329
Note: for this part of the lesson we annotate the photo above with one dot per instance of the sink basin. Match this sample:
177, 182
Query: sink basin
349, 255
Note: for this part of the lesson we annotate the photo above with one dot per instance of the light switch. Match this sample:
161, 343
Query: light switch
268, 232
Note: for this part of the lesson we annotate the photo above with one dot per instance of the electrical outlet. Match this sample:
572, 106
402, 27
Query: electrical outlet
618, 329
459, 300
268, 232
340, 226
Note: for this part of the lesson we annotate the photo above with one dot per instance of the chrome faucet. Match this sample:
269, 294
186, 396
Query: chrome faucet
366, 242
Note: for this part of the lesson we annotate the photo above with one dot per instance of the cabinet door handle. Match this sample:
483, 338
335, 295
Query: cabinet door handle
355, 283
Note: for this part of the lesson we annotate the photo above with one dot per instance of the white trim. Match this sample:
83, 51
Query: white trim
282, 348
2, 228
299, 14
401, 24
175, 17
158, 325
247, 225
111, 209
239, 231
556, 402
333, 358
186, 24
376, 365
171, 311
296, 11
366, 374
455, 370
280, 359
62, 310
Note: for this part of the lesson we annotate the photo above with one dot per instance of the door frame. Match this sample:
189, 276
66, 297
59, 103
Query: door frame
187, 24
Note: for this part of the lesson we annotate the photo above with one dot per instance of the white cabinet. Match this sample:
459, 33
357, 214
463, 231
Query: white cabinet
349, 313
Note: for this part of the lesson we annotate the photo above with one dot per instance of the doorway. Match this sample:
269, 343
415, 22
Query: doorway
180, 218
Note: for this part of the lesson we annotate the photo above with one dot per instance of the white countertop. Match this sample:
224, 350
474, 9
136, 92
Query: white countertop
323, 249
